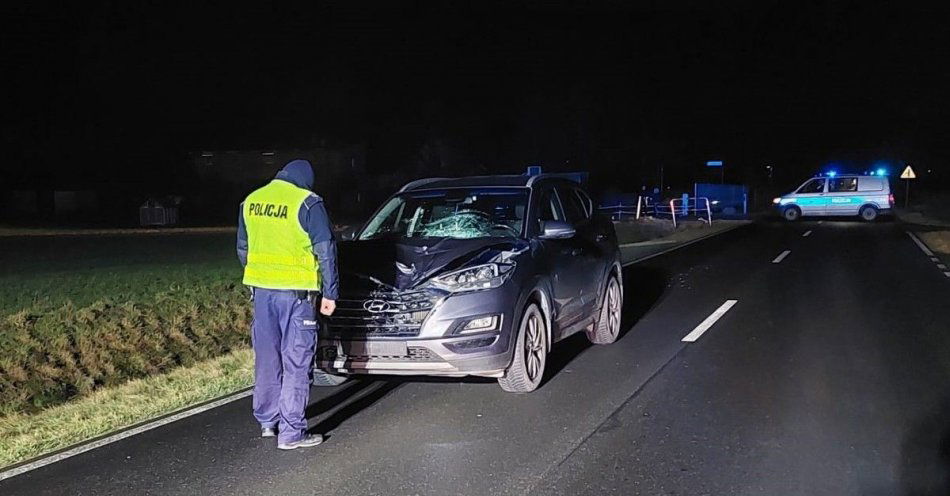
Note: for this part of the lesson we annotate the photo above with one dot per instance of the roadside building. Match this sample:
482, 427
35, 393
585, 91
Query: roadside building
226, 176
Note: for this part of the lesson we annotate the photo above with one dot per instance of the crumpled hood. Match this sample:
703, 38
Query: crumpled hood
404, 263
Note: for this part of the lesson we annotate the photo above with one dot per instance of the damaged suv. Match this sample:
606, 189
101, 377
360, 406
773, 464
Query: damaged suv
473, 276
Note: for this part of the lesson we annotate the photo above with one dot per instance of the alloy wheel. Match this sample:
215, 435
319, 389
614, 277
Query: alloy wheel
613, 308
533, 347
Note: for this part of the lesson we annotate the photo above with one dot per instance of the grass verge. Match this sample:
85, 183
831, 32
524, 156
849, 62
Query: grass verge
25, 436
938, 241
49, 357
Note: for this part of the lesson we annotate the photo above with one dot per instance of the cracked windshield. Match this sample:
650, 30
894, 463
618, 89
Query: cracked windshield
455, 213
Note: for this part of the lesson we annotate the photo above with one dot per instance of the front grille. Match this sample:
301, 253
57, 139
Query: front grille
381, 314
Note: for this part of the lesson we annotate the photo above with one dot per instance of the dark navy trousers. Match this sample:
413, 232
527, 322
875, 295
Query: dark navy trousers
284, 335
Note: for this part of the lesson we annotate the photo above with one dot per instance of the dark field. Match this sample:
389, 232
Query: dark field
47, 271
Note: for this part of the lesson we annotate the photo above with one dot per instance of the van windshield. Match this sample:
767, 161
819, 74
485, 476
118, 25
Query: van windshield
451, 213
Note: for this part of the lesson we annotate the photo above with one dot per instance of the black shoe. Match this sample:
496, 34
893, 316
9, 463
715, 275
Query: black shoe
268, 432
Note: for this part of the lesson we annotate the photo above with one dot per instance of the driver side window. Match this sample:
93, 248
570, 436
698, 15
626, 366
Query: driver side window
813, 186
548, 207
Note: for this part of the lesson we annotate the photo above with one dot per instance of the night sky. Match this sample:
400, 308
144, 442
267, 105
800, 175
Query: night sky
103, 91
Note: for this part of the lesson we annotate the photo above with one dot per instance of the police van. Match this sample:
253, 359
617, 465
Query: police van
866, 196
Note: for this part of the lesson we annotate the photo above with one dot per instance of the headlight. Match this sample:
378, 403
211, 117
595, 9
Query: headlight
480, 324
776, 200
485, 276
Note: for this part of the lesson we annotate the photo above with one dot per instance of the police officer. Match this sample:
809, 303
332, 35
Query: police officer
286, 245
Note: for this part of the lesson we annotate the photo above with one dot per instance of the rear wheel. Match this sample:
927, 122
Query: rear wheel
868, 213
531, 347
607, 328
792, 214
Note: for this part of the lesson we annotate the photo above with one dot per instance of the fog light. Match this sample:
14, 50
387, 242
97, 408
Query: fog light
487, 323
470, 345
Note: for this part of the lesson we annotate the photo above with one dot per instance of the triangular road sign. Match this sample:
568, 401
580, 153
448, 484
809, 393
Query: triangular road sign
908, 173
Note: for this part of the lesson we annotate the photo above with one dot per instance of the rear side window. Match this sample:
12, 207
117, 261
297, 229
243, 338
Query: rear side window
870, 183
585, 201
843, 184
574, 212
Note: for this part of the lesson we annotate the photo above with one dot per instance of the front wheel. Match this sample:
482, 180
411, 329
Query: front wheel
792, 214
530, 354
607, 328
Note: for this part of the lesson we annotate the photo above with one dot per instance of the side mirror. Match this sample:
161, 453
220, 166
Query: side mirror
556, 229
349, 234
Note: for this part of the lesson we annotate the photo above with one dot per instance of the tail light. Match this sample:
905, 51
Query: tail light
890, 199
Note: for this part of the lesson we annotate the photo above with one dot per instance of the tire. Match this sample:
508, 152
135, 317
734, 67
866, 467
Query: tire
325, 379
792, 214
868, 213
530, 354
607, 328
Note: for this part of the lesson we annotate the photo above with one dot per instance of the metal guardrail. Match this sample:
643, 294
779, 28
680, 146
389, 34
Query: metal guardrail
700, 207
678, 208
644, 206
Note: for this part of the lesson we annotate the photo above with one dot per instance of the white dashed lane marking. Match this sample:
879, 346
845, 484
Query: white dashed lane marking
807, 234
782, 256
706, 324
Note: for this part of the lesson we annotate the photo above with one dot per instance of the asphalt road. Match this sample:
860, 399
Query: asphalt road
830, 375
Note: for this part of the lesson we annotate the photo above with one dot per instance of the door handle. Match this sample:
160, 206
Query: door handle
576, 251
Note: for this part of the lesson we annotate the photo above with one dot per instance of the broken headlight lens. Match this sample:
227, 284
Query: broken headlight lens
485, 276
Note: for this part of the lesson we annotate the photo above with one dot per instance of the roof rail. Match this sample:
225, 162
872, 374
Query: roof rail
552, 175
419, 182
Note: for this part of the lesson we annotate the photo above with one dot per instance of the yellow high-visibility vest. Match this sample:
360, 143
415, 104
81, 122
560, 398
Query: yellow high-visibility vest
279, 252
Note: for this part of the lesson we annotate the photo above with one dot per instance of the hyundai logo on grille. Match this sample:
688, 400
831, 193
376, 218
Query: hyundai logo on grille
375, 306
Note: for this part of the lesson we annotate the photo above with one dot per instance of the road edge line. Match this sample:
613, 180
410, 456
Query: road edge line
99, 442
677, 247
920, 244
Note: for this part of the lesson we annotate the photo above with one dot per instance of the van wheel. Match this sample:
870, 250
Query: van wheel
607, 327
868, 213
792, 214
321, 378
531, 347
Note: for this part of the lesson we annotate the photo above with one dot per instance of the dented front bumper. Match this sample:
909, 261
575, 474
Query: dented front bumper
378, 335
